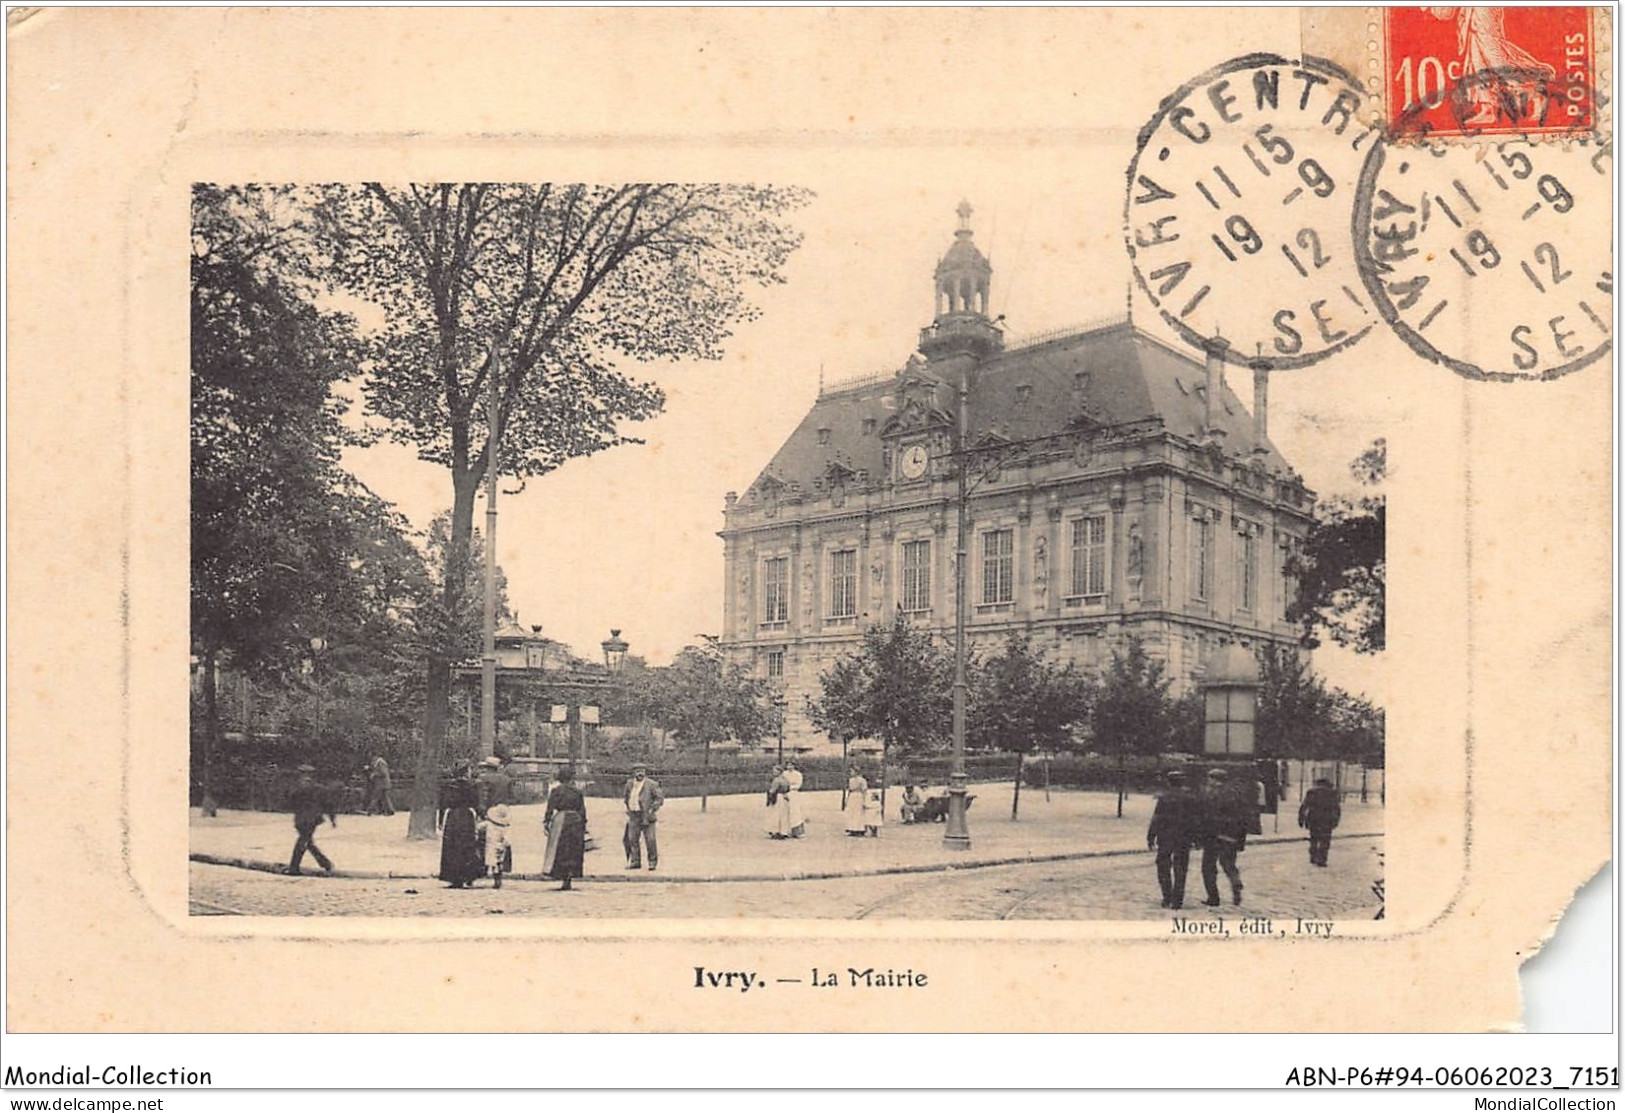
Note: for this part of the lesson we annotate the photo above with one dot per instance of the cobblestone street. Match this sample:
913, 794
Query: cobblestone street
1279, 883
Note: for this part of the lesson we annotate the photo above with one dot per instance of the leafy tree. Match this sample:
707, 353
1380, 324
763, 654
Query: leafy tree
457, 635
1020, 703
1132, 712
1342, 569
271, 511
704, 699
558, 281
897, 687
1292, 705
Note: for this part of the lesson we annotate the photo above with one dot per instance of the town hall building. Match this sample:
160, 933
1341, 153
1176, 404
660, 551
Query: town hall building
1115, 488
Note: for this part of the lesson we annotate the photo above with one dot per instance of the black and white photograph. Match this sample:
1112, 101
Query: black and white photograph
1127, 707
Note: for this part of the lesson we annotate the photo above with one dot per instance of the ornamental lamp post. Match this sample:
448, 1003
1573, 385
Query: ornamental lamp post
614, 648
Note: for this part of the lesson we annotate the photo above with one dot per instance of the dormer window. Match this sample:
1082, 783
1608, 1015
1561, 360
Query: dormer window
1080, 381
823, 436
1024, 393
868, 425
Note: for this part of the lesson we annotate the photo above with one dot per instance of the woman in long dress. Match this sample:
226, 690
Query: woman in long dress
778, 805
795, 819
566, 823
460, 861
857, 789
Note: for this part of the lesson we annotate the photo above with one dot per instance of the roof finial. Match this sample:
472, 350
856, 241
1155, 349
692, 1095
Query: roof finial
964, 210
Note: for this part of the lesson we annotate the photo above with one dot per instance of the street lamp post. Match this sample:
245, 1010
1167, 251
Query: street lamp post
488, 659
318, 646
779, 704
614, 648
957, 835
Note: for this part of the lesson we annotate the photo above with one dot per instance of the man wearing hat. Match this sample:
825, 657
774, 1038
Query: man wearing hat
643, 798
310, 803
1172, 830
494, 785
1225, 818
1320, 812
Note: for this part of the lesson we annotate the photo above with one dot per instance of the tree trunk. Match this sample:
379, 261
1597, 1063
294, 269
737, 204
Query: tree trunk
211, 731
431, 748
1122, 781
884, 748
1015, 799
705, 778
437, 687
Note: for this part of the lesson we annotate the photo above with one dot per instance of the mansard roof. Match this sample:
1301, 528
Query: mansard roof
1106, 375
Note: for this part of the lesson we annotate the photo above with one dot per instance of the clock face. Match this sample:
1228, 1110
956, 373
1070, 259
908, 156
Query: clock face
914, 460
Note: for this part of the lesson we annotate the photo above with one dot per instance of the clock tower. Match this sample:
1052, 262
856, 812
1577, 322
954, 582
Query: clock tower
963, 282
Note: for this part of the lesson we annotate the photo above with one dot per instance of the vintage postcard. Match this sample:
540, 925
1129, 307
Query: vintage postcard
805, 520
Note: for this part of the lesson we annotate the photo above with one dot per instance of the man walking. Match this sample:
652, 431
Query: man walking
379, 785
643, 798
1173, 828
1320, 812
310, 802
1225, 820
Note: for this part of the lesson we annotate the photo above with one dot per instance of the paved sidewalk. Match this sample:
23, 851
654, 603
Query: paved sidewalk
728, 842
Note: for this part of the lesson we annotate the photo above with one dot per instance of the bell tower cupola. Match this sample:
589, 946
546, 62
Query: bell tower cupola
963, 283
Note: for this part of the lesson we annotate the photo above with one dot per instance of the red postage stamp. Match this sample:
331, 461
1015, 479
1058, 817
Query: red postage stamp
1490, 71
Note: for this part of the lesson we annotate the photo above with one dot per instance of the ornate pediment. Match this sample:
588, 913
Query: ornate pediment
837, 478
914, 416
769, 490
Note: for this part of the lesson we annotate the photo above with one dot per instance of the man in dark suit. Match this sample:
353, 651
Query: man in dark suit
642, 797
1225, 818
1172, 830
1320, 812
310, 803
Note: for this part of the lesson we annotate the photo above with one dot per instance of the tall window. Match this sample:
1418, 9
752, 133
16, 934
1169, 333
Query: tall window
998, 566
916, 575
1088, 557
1289, 578
776, 589
843, 584
775, 664
1202, 558
1247, 569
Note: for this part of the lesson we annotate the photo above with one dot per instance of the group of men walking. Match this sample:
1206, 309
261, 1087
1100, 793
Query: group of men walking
1218, 820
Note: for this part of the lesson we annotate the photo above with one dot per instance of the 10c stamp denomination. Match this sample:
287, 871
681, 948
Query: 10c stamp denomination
1239, 197
1445, 231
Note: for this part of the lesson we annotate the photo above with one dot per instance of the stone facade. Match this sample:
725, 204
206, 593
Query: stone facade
1115, 489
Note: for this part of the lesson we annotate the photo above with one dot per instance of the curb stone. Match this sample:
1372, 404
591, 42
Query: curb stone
822, 875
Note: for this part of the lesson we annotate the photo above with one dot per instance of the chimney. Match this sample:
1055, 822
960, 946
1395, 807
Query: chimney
1215, 382
1261, 404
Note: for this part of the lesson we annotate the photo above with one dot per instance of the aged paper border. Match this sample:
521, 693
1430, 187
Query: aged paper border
1499, 737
